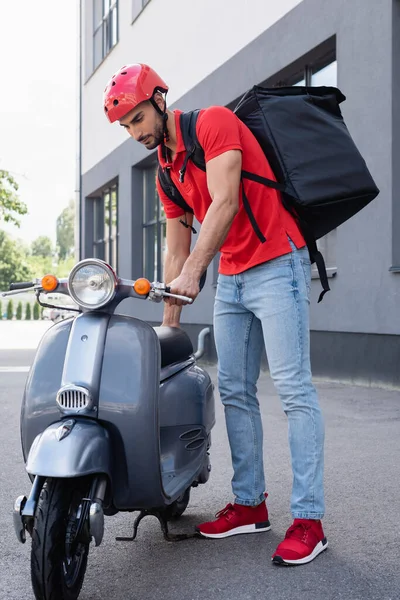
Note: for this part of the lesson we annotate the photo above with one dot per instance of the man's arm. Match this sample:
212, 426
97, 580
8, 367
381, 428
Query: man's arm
178, 250
223, 180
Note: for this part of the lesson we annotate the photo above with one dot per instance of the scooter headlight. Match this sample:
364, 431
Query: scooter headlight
92, 283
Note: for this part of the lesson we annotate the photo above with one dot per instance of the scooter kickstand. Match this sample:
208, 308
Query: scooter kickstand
140, 516
172, 537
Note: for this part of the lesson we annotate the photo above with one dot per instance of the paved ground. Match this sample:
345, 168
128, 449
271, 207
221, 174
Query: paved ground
362, 522
22, 335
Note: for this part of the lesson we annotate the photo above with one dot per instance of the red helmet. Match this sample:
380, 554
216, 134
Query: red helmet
128, 87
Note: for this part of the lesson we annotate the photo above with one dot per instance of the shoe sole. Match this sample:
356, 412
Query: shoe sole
255, 528
320, 547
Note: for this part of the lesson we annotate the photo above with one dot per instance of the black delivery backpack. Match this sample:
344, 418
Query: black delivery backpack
320, 173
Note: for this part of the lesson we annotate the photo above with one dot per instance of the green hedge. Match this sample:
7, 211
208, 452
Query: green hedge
19, 311
28, 312
10, 310
36, 311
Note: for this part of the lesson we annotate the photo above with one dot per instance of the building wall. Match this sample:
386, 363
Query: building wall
365, 293
199, 41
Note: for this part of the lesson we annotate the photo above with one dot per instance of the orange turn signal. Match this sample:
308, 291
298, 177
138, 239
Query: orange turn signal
49, 283
142, 286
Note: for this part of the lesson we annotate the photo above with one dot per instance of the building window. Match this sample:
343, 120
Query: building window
105, 226
105, 28
318, 76
154, 228
137, 7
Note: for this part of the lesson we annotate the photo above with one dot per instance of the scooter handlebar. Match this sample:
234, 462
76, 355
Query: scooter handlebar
21, 285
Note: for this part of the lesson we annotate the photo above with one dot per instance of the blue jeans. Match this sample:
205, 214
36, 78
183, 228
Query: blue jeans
269, 304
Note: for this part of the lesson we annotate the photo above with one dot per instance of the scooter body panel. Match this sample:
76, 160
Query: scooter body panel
128, 408
70, 352
158, 434
162, 430
187, 415
71, 448
39, 408
187, 398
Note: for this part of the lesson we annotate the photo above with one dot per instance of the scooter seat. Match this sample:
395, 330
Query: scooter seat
175, 345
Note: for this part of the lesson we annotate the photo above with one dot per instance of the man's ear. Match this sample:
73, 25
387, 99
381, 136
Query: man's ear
159, 100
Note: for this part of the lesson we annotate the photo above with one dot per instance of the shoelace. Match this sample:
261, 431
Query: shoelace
225, 511
298, 531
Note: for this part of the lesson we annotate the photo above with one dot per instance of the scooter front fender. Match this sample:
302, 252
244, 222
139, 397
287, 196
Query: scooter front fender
70, 448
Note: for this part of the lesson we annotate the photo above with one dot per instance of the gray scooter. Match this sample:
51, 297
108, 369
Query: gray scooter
116, 416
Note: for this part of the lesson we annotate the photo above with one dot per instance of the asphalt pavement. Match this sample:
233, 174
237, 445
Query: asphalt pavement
362, 480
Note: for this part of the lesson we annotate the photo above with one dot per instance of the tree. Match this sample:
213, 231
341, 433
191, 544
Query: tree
10, 310
65, 231
64, 267
19, 311
10, 204
43, 247
40, 266
28, 312
13, 262
36, 311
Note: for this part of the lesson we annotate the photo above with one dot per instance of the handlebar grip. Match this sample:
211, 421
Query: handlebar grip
21, 285
201, 282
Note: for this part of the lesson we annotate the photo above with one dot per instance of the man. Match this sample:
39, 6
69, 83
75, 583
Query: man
262, 298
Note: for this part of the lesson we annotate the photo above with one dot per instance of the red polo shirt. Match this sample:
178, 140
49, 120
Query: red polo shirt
219, 130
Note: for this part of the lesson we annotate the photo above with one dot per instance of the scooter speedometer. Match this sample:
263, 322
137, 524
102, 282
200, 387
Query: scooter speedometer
92, 283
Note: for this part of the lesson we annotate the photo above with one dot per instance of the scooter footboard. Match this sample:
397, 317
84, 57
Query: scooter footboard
70, 448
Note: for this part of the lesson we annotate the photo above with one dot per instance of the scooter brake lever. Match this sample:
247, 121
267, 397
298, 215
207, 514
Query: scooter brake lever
178, 297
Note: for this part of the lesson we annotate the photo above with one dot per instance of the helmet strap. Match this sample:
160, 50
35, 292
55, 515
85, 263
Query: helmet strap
158, 109
165, 151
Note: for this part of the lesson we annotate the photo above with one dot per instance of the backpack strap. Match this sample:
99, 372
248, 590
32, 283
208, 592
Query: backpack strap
249, 212
315, 254
170, 189
194, 151
264, 181
173, 194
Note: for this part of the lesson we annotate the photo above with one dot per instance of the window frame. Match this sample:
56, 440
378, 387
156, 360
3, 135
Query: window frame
138, 7
110, 15
157, 225
106, 236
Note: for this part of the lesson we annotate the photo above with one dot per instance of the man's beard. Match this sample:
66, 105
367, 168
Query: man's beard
158, 135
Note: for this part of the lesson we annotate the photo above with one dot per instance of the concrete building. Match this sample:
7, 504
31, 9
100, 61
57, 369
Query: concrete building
211, 53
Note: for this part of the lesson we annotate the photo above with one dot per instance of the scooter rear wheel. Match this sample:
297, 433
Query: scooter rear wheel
60, 540
177, 508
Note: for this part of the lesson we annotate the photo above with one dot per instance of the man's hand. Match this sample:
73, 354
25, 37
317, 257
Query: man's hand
184, 285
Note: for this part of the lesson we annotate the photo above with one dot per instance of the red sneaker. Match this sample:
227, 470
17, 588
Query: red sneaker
304, 540
235, 519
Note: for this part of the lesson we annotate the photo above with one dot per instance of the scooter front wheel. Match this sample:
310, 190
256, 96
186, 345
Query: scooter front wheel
60, 540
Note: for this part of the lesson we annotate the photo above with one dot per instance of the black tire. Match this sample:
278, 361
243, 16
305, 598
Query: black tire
177, 508
58, 558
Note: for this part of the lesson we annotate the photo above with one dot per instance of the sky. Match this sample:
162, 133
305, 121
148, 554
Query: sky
39, 108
